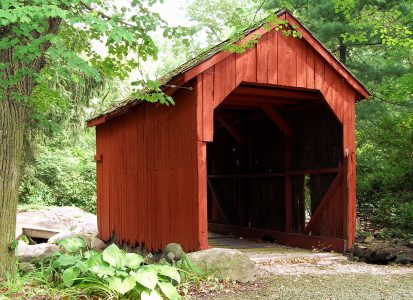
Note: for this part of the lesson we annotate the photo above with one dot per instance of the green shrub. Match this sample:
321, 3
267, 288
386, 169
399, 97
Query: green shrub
61, 177
112, 273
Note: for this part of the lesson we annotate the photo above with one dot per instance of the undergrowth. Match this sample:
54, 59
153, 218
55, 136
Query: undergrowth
80, 273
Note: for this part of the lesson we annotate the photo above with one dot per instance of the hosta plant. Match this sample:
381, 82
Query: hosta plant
113, 271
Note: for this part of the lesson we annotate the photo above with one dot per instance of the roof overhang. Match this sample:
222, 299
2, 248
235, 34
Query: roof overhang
191, 69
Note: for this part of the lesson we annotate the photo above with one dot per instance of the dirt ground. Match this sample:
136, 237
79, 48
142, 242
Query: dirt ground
291, 273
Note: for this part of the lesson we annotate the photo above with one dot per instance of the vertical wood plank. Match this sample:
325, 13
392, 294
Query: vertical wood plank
301, 52
310, 67
327, 87
202, 226
262, 58
208, 105
283, 59
229, 83
246, 66
199, 108
291, 60
272, 57
220, 80
318, 72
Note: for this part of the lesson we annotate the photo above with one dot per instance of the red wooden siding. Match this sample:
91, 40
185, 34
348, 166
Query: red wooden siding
152, 159
290, 62
147, 177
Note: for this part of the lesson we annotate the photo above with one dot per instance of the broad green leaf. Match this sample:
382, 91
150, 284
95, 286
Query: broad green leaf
120, 273
82, 266
95, 259
133, 260
169, 290
114, 256
67, 260
103, 271
151, 295
170, 272
73, 244
121, 286
145, 277
69, 276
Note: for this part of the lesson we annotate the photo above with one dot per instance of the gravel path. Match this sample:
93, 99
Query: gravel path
289, 273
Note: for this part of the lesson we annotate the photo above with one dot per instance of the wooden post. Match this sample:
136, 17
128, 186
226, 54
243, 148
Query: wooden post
288, 187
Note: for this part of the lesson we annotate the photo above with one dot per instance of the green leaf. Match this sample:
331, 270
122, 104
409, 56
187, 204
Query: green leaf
14, 243
146, 277
114, 256
170, 272
169, 290
133, 260
103, 271
121, 286
69, 276
94, 259
152, 295
73, 244
82, 266
67, 260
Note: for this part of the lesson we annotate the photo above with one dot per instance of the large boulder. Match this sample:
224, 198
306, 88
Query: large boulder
404, 258
224, 263
27, 252
90, 237
58, 219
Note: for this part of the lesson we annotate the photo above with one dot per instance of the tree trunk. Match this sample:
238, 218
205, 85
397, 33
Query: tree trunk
342, 48
12, 123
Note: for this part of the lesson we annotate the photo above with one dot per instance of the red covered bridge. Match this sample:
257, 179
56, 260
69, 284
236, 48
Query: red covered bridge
258, 144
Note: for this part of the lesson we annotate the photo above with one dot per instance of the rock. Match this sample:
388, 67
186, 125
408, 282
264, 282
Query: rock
26, 267
27, 253
380, 257
369, 239
360, 239
61, 236
360, 251
88, 235
58, 219
98, 244
404, 258
377, 234
224, 263
173, 252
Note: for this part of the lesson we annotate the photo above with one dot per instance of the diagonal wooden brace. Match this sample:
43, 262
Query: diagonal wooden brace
278, 120
233, 130
323, 203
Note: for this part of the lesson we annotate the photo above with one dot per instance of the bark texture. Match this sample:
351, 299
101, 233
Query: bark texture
12, 123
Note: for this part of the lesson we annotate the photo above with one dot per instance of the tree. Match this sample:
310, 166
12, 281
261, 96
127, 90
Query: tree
37, 33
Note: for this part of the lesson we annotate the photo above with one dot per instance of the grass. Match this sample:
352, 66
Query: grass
33, 285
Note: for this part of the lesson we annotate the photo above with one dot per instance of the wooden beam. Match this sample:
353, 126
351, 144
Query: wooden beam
256, 100
215, 198
96, 121
288, 197
266, 91
278, 120
233, 130
301, 107
291, 239
314, 171
323, 203
252, 175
